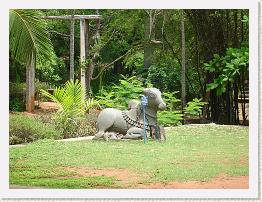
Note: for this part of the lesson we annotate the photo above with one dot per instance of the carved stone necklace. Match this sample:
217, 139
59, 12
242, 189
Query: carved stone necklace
133, 122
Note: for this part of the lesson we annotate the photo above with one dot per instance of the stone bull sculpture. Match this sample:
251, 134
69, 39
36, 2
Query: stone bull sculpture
116, 124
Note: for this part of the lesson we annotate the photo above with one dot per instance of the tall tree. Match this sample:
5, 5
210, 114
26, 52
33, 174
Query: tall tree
183, 67
150, 22
28, 39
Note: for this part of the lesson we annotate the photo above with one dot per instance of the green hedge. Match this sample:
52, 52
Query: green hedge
24, 129
17, 95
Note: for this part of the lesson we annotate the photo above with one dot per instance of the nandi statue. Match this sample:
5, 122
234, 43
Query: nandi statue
116, 124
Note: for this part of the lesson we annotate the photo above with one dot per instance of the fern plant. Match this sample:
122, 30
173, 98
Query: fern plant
70, 99
170, 118
91, 103
194, 107
118, 96
72, 105
171, 100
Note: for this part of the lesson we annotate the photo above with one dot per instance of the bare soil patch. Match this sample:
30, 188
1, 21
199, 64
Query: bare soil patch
46, 107
124, 176
132, 179
222, 181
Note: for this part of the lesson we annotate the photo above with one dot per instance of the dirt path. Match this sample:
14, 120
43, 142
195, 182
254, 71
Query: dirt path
222, 181
130, 179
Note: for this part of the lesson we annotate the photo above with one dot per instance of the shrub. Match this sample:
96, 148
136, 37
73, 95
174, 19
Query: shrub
73, 106
171, 100
163, 72
24, 129
17, 96
227, 68
39, 86
194, 107
119, 95
169, 118
16, 104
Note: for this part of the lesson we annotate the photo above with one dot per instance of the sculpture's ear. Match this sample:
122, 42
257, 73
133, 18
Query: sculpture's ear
145, 91
152, 95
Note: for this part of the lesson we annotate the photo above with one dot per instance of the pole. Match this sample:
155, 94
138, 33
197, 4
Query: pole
144, 113
144, 103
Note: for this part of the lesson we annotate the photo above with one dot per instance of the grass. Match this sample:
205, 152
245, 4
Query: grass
190, 153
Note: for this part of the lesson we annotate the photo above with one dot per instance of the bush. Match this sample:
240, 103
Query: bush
119, 95
171, 101
169, 118
24, 129
70, 118
17, 96
39, 86
194, 107
163, 72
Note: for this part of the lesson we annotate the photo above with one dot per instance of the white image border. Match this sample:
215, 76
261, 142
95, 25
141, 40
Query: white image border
252, 192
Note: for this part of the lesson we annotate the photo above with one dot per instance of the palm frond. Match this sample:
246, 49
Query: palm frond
28, 34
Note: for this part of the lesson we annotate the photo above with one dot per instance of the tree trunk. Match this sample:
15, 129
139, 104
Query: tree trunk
236, 111
228, 103
235, 39
30, 85
89, 65
183, 67
72, 47
97, 38
242, 27
149, 35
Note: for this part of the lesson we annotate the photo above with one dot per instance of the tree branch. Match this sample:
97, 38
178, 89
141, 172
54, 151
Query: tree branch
108, 65
59, 33
104, 67
171, 48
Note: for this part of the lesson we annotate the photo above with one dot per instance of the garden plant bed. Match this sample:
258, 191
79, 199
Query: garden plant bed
208, 156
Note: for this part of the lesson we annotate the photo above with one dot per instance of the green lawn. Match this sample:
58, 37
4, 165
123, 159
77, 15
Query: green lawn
189, 153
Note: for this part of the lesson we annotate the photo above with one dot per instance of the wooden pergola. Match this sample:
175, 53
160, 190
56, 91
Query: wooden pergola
84, 50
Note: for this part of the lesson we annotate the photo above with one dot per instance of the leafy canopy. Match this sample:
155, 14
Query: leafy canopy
227, 67
28, 35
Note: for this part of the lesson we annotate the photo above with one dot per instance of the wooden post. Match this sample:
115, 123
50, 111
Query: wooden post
86, 74
83, 51
89, 69
30, 85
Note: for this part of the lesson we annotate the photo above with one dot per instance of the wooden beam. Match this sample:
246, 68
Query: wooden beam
30, 85
76, 17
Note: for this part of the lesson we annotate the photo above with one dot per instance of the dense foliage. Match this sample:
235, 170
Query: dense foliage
227, 68
132, 49
118, 95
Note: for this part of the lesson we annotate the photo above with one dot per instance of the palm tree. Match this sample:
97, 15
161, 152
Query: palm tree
28, 39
